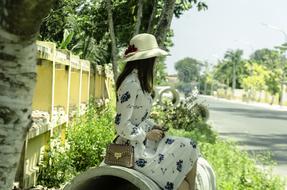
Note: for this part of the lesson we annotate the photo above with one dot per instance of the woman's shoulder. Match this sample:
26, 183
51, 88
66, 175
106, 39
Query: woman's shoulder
131, 81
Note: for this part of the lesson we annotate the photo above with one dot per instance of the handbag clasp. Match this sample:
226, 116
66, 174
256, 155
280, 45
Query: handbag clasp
118, 155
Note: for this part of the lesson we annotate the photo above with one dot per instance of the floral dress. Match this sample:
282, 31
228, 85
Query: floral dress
166, 161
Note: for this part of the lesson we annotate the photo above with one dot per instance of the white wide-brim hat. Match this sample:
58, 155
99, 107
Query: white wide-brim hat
143, 46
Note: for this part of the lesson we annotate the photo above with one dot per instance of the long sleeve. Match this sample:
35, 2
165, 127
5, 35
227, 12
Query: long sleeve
150, 122
126, 97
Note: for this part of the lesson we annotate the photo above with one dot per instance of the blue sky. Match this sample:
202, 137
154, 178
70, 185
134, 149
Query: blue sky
227, 24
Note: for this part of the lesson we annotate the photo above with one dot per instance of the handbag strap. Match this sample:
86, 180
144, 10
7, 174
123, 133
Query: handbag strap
114, 141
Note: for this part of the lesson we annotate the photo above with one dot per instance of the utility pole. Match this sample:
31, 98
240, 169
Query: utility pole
251, 94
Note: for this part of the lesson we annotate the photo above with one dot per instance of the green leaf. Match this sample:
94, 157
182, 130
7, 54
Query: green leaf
67, 38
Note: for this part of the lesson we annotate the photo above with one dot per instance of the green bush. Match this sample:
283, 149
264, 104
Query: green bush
87, 137
202, 110
188, 115
55, 169
203, 133
234, 168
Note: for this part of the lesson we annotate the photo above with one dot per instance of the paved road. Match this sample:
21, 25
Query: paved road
255, 128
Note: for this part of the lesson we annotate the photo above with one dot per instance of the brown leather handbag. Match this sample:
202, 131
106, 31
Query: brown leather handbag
120, 155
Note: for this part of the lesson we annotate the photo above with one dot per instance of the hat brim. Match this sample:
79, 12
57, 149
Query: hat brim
156, 52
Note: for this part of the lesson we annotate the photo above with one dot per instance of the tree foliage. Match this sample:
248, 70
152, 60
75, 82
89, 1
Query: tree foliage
188, 69
264, 70
231, 65
86, 21
266, 57
273, 82
85, 24
272, 60
256, 80
235, 58
223, 72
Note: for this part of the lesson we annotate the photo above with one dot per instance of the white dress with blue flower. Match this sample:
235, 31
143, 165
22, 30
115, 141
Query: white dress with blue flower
166, 161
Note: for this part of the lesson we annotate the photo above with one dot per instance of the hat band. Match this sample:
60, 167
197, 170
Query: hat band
132, 53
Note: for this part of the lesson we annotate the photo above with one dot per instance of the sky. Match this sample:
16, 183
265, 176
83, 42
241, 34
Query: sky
227, 24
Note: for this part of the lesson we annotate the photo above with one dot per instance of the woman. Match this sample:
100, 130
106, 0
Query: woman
169, 161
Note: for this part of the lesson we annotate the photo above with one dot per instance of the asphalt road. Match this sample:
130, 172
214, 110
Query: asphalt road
256, 129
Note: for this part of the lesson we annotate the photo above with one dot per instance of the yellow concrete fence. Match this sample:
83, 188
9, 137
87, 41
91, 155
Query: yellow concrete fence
65, 83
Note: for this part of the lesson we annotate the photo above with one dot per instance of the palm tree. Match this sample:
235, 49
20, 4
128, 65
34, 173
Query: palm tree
19, 27
223, 72
234, 57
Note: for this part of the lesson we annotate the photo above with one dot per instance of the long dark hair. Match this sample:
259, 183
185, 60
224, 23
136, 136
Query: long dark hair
145, 69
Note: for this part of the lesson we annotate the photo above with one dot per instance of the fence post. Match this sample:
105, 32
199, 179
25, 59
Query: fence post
69, 87
89, 78
80, 88
53, 88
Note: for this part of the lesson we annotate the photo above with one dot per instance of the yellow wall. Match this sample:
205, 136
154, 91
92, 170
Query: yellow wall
42, 98
61, 87
98, 86
35, 148
103, 87
111, 89
84, 95
75, 87
92, 85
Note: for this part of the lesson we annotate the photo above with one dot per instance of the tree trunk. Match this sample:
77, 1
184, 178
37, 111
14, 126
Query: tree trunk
282, 80
233, 78
113, 38
205, 88
139, 17
281, 93
150, 28
20, 22
165, 21
272, 100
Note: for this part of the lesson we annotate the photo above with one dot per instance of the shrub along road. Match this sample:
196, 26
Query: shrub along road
256, 129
